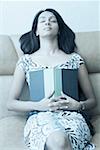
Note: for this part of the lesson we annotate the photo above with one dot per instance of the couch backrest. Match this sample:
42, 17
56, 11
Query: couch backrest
8, 59
88, 46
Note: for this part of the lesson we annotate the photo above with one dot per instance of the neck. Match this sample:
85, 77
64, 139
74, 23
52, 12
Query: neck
48, 46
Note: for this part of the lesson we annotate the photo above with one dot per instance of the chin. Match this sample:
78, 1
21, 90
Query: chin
49, 35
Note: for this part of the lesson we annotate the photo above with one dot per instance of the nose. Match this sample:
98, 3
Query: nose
47, 22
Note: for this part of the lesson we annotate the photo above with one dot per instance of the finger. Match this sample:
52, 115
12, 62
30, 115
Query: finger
56, 99
53, 100
64, 107
55, 109
62, 98
64, 101
52, 104
58, 104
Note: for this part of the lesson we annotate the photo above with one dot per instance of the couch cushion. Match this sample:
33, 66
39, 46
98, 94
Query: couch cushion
15, 40
89, 47
11, 133
96, 141
8, 55
95, 81
5, 85
96, 137
96, 123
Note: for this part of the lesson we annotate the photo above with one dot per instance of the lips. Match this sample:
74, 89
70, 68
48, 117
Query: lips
47, 28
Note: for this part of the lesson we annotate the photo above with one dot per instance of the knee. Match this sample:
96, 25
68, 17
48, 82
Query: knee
57, 139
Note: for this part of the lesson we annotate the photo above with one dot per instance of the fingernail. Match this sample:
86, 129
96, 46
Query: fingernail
66, 106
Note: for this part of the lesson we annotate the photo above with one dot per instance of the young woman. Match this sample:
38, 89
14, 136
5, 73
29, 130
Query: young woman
58, 123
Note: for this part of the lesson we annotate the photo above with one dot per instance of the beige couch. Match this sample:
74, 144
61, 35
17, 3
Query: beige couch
12, 123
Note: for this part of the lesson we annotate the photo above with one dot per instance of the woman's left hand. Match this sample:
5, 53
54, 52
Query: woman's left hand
73, 104
64, 102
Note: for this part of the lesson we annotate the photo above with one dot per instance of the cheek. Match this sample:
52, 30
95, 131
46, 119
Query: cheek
40, 29
56, 29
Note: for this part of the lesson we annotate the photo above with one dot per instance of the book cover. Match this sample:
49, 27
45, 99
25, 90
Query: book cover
44, 81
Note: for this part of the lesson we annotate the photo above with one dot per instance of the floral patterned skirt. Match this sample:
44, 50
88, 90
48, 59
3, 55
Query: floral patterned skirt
39, 126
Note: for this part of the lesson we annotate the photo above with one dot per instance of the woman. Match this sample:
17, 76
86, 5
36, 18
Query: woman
59, 123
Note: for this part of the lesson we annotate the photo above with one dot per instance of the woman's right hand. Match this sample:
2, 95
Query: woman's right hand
43, 105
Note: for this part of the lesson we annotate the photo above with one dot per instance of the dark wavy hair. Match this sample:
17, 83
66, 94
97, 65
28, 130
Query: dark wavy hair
30, 43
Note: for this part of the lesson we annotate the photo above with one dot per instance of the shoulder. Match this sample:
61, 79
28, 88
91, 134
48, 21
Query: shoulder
23, 59
23, 62
73, 61
76, 55
77, 58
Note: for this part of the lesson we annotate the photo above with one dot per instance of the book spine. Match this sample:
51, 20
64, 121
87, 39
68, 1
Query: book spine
57, 82
48, 81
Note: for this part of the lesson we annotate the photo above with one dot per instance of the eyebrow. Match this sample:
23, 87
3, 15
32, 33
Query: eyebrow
43, 17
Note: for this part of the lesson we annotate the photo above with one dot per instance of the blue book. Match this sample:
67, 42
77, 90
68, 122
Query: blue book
44, 81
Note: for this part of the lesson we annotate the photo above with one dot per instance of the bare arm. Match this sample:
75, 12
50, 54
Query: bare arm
14, 103
71, 104
86, 88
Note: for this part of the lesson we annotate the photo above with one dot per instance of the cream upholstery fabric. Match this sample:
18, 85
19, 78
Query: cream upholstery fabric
89, 47
12, 123
12, 135
8, 56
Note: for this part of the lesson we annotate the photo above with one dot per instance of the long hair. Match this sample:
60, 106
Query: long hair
30, 43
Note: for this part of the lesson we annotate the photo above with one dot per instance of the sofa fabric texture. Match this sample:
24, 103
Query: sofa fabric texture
12, 123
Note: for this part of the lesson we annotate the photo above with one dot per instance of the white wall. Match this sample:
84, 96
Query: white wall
16, 17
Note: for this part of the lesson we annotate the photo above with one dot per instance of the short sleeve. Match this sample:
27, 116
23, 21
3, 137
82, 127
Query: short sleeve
79, 60
22, 63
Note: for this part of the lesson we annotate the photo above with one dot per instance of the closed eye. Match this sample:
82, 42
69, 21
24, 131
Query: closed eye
42, 21
53, 21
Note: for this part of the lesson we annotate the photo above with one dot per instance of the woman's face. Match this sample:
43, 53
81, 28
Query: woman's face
47, 25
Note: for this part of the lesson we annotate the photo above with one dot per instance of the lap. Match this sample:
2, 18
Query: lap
40, 126
58, 140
